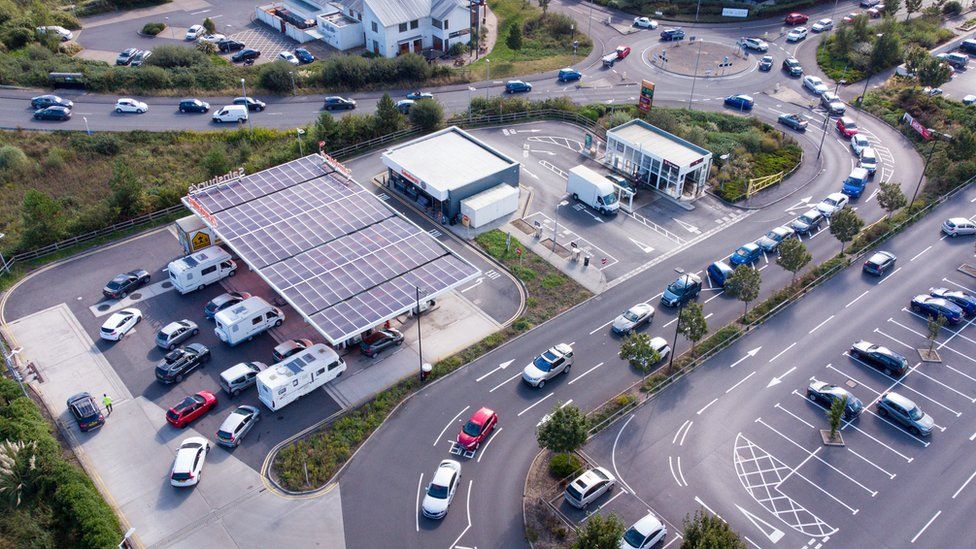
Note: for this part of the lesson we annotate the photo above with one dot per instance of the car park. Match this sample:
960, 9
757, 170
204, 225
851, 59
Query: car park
190, 409
645, 23
181, 362
846, 127
588, 487
193, 105
404, 105
174, 333
517, 86
766, 63
230, 113
822, 25
241, 376
644, 534
933, 307
304, 56
120, 323
792, 67
796, 19
770, 241
879, 357
44, 101
238, 424
834, 203
222, 302
961, 299
85, 411
741, 102
832, 103
188, 465
718, 273
194, 32
569, 74
229, 44
477, 429
245, 55
372, 344
334, 102
417, 95
126, 104
53, 113
958, 61
125, 57
141, 58
825, 394
894, 406
754, 44
440, 492
814, 84
676, 33
879, 263
557, 360
746, 254
685, 288
633, 318
793, 120
868, 160
288, 348
958, 226
212, 38
859, 142
123, 284
808, 222
855, 183
288, 57
251, 103
797, 34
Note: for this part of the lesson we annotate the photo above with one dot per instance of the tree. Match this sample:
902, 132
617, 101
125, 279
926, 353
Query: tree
325, 129
692, 324
277, 77
885, 53
891, 7
914, 57
707, 531
841, 42
426, 113
934, 72
835, 414
743, 284
951, 8
793, 256
565, 431
911, 6
216, 162
387, 118
544, 4
42, 221
209, 25
514, 38
600, 532
934, 328
963, 144
18, 467
891, 198
636, 349
206, 48
845, 225
126, 196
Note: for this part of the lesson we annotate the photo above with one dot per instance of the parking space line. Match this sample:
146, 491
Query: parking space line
798, 418
927, 524
920, 253
960, 393
964, 355
449, 423
709, 509
534, 404
898, 382
870, 436
605, 503
970, 290
899, 428
968, 480
957, 333
821, 324
705, 407
781, 352
720, 292
417, 514
602, 326
875, 465
675, 319
856, 298
882, 281
579, 377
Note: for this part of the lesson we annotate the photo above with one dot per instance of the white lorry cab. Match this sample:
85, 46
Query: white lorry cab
198, 269
592, 189
247, 319
297, 375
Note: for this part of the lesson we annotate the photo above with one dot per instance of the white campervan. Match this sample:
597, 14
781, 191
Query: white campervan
196, 270
298, 375
247, 319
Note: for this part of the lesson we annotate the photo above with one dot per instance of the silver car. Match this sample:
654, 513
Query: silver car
588, 487
555, 361
770, 241
238, 423
174, 333
904, 411
632, 318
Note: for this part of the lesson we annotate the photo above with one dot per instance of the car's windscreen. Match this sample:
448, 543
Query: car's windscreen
115, 284
610, 199
574, 493
631, 316
541, 363
224, 435
437, 491
915, 413
634, 538
472, 429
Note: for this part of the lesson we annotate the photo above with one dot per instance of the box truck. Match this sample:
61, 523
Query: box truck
592, 189
298, 375
247, 319
198, 269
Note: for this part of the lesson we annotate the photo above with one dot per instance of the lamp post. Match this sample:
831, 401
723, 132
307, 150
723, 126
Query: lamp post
4, 267
935, 138
555, 225
677, 326
589, 21
575, 47
420, 341
87, 129
294, 89
470, 89
298, 135
125, 540
827, 118
250, 124
487, 76
8, 359
694, 76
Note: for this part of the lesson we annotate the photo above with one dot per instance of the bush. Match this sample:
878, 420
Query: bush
458, 49
951, 8
152, 29
176, 56
428, 114
148, 79
276, 76
564, 465
13, 160
16, 37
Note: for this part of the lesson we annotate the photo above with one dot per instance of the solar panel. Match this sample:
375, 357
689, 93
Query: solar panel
221, 197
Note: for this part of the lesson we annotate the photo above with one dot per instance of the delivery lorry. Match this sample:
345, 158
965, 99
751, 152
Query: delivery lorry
592, 189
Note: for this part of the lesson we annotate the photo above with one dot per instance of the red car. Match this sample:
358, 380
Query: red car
846, 126
477, 429
191, 409
796, 19
623, 51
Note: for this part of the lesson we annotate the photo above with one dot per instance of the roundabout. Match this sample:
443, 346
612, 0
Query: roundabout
710, 59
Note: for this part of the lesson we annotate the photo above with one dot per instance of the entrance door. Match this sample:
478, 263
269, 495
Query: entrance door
418, 46
404, 48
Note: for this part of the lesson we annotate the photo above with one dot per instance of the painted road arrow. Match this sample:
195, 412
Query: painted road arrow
644, 247
803, 203
750, 354
774, 534
501, 366
776, 380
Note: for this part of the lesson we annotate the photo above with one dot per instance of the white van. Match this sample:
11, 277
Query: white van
299, 374
592, 189
247, 319
231, 113
196, 270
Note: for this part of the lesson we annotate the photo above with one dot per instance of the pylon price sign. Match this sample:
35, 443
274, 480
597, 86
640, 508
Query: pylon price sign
646, 95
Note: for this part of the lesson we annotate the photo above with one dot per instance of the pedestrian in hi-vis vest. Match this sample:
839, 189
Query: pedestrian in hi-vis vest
107, 402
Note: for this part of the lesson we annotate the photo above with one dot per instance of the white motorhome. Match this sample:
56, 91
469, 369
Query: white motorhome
298, 375
196, 270
592, 189
247, 319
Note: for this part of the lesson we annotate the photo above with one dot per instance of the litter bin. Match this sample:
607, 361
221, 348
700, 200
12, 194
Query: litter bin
586, 260
425, 370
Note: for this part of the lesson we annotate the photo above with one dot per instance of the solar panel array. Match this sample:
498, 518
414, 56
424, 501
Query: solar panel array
333, 250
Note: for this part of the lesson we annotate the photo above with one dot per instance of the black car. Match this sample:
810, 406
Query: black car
86, 412
792, 67
934, 307
766, 63
126, 56
879, 357
372, 344
673, 34
45, 101
251, 103
288, 348
177, 364
964, 301
229, 44
682, 290
53, 113
122, 284
245, 55
222, 302
794, 121
194, 105
879, 263
336, 102
825, 394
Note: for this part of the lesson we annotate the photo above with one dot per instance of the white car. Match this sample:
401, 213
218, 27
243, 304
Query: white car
859, 143
633, 317
555, 361
869, 160
120, 323
797, 34
441, 489
834, 203
62, 33
957, 226
932, 92
588, 487
645, 533
194, 32
645, 23
969, 100
130, 105
814, 84
660, 345
212, 38
289, 57
188, 465
756, 44
822, 25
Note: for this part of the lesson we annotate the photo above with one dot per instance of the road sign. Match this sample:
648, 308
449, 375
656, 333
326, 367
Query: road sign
733, 12
646, 96
587, 141
917, 126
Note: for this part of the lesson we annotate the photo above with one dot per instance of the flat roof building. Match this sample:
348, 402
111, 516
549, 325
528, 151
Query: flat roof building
441, 169
658, 159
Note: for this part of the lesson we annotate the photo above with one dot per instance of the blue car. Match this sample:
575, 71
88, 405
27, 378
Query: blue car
304, 56
718, 272
517, 86
742, 102
746, 254
935, 306
964, 301
569, 74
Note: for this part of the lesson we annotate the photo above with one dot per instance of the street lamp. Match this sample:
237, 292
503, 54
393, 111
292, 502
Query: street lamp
4, 267
935, 138
420, 342
294, 89
575, 47
87, 129
677, 326
487, 76
250, 125
298, 135
694, 76
470, 89
555, 225
8, 359
827, 117
125, 540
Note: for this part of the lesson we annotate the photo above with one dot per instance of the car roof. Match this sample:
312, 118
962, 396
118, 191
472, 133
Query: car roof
648, 524
591, 477
881, 256
444, 471
900, 400
482, 415
235, 418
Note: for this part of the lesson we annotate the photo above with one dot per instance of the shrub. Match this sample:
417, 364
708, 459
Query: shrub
176, 56
16, 37
564, 465
13, 160
152, 29
276, 76
206, 48
64, 19
428, 114
951, 8
458, 49
148, 79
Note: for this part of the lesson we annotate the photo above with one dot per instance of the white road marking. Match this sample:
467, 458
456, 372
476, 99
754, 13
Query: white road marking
468, 509
727, 391
613, 453
579, 377
675, 319
609, 322
856, 298
714, 400
749, 354
959, 285
504, 382
777, 379
876, 466
604, 504
927, 524
484, 449
534, 404
968, 480
449, 423
781, 352
702, 503
417, 514
882, 281
501, 366
774, 534
798, 418
687, 424
920, 253
720, 292
821, 324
